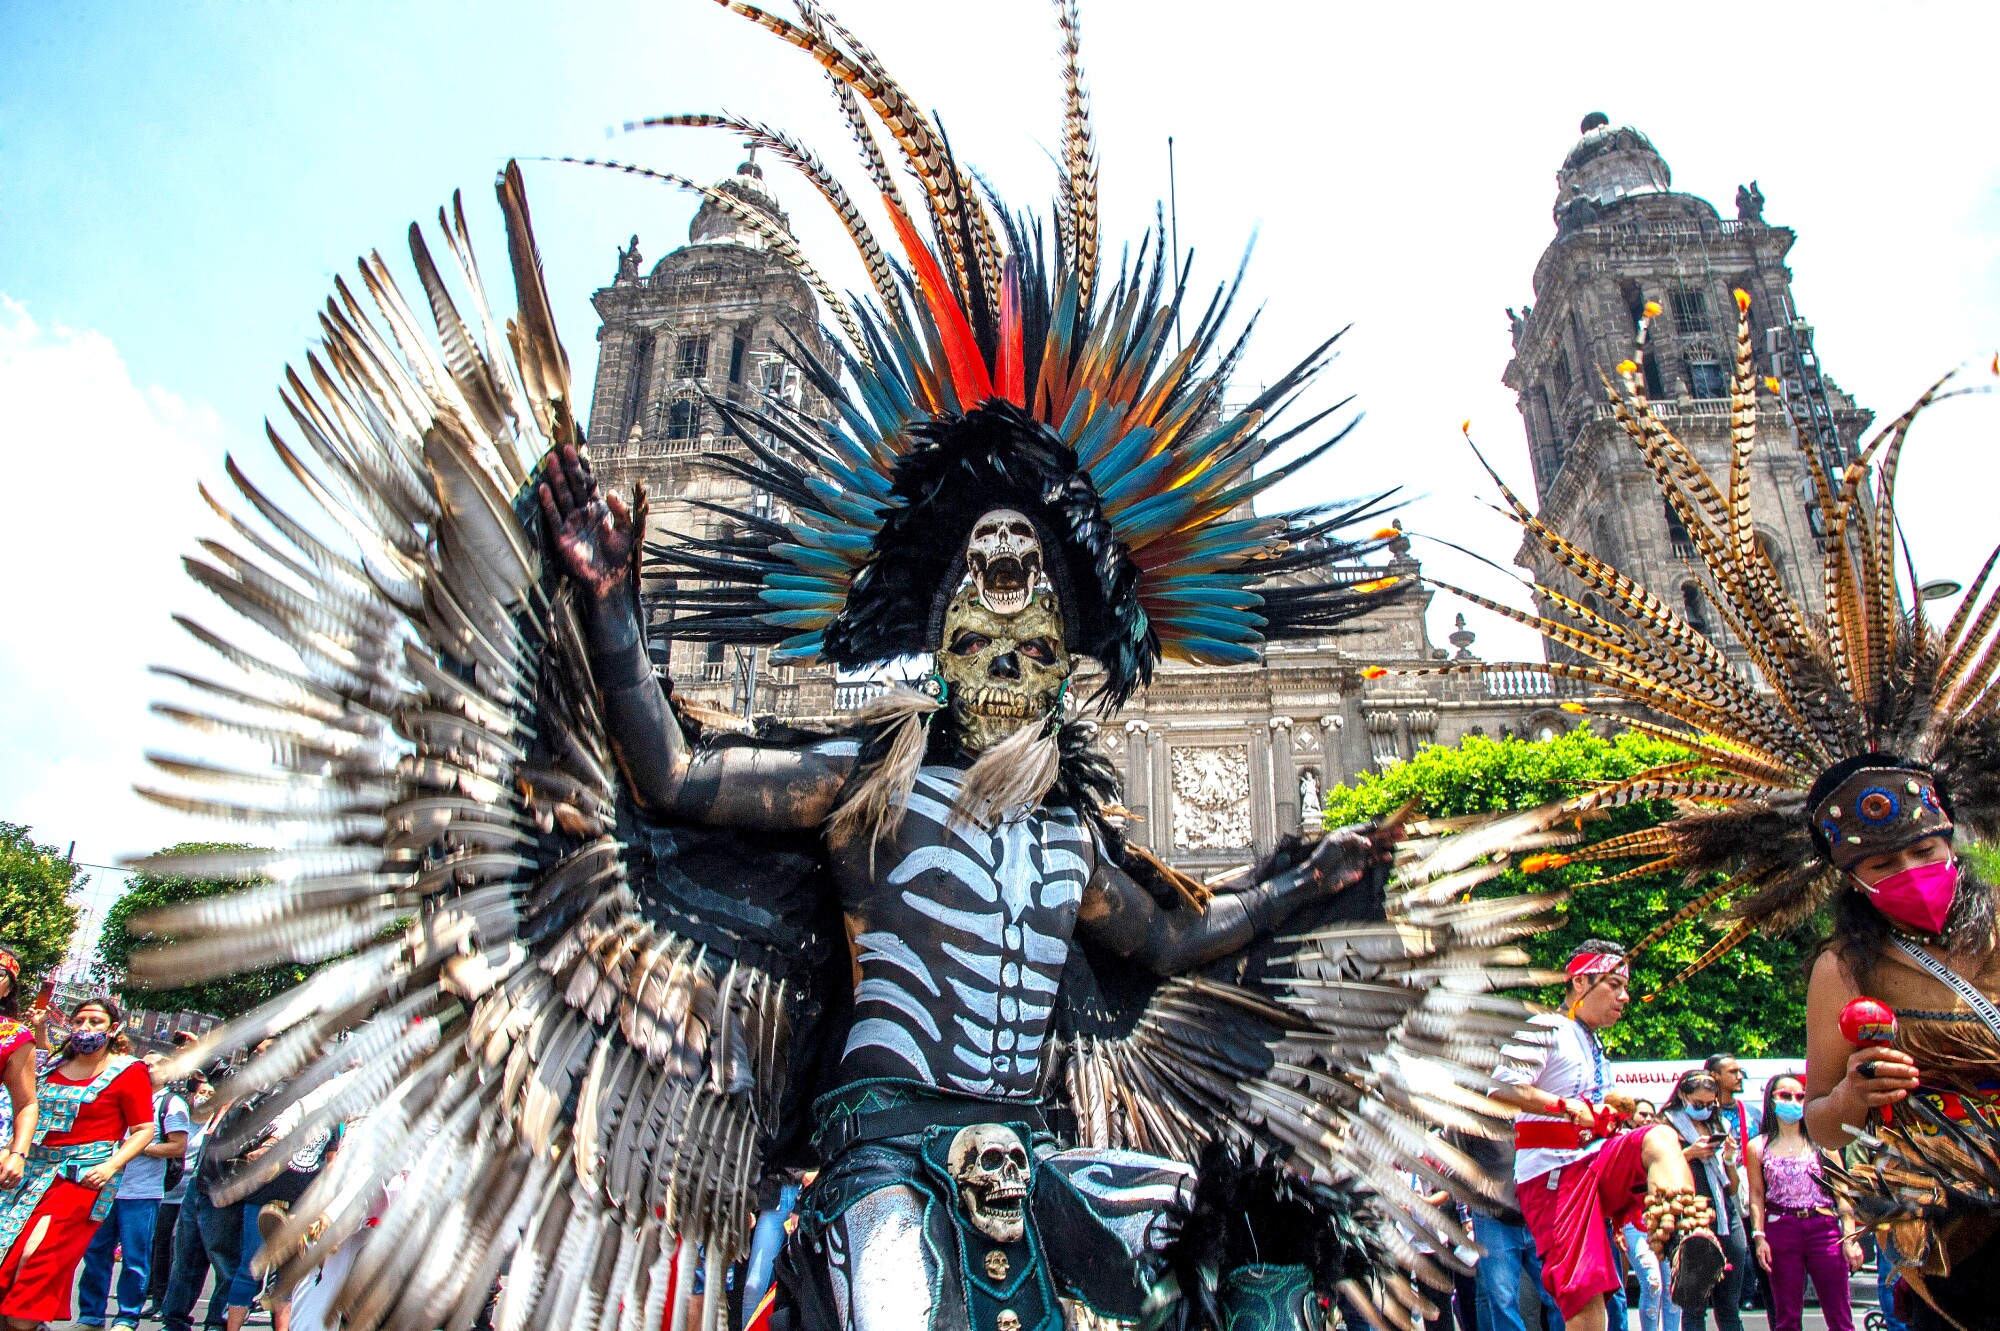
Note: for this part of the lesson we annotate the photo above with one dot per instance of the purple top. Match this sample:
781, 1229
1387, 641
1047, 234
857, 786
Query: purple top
1793, 1182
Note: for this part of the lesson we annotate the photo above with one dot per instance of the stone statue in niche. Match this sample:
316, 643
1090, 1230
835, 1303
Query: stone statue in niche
1211, 797
1309, 797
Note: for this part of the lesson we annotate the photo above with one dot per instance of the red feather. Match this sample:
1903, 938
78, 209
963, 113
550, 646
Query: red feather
1013, 353
969, 378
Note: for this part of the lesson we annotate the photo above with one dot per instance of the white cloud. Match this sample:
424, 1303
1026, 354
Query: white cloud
100, 474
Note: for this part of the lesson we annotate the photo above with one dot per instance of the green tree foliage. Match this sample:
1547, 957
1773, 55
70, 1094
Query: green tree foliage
225, 997
36, 917
1751, 1002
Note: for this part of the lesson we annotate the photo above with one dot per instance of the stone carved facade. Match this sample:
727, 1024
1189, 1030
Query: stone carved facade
1220, 763
1211, 797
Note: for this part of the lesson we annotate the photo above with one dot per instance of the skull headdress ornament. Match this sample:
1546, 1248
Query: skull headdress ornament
1004, 558
989, 1164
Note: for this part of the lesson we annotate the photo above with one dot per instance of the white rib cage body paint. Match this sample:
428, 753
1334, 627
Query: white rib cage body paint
970, 1011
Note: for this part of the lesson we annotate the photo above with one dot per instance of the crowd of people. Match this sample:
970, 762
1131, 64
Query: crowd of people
113, 1168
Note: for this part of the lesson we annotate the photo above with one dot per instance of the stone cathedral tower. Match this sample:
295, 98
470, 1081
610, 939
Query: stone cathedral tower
709, 321
1624, 237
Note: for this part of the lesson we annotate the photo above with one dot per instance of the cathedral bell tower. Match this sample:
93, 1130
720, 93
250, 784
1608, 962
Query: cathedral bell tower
1625, 237
710, 320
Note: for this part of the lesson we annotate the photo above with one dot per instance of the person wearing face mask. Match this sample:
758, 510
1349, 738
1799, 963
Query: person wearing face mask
1913, 928
1690, 1111
1796, 1223
95, 1117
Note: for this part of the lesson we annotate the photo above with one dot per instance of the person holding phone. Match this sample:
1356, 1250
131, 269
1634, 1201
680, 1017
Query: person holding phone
1691, 1112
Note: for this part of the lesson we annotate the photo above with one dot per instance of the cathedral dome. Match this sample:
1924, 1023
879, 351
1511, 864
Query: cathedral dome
1608, 164
715, 225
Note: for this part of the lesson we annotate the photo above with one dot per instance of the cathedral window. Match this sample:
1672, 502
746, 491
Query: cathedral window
1677, 535
1693, 610
1562, 374
738, 348
1705, 379
683, 418
635, 391
1691, 311
1656, 384
691, 357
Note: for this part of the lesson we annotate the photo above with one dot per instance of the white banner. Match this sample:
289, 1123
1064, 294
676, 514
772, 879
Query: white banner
1654, 1079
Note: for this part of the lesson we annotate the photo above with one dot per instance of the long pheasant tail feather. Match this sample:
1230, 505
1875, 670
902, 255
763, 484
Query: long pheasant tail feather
850, 111
923, 149
1723, 946
1713, 896
774, 236
807, 163
1079, 154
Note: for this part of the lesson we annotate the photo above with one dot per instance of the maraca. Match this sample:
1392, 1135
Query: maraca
1868, 1022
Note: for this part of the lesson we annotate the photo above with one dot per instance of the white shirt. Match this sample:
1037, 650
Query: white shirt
1567, 1062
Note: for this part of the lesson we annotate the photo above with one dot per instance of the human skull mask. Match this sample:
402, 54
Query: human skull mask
1001, 671
990, 1166
1004, 557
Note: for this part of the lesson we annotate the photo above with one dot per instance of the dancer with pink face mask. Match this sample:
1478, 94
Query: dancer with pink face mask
1912, 930
1836, 740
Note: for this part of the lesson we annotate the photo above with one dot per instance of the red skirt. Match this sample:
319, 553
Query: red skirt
1569, 1220
38, 1288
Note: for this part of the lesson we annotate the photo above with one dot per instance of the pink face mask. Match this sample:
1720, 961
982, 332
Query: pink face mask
1917, 898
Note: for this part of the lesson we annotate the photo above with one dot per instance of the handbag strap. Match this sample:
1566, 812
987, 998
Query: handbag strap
1952, 980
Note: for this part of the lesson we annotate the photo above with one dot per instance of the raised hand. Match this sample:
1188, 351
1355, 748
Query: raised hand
1342, 858
592, 532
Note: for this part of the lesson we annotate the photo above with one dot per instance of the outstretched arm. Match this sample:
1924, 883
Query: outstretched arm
735, 784
1121, 915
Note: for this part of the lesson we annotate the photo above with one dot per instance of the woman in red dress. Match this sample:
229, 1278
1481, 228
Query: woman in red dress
17, 1071
95, 1115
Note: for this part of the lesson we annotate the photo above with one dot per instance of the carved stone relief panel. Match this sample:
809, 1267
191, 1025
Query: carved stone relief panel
1211, 797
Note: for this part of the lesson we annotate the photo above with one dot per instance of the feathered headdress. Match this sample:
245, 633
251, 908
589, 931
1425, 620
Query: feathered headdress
994, 370
1862, 673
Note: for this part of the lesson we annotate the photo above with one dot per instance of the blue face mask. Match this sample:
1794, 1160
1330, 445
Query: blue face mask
1701, 1115
1789, 1111
88, 1042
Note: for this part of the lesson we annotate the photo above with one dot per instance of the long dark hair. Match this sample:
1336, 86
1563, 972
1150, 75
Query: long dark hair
10, 1002
1770, 1125
1685, 1083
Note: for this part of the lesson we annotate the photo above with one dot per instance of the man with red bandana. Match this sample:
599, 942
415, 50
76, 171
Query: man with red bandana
1577, 1173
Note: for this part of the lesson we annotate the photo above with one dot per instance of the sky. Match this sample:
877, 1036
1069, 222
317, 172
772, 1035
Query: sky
180, 183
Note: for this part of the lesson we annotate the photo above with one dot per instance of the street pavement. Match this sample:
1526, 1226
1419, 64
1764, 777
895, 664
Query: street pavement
1861, 1292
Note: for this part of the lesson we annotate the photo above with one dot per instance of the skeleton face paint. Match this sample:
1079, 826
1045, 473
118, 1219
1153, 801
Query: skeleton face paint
990, 1166
1003, 671
1004, 557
